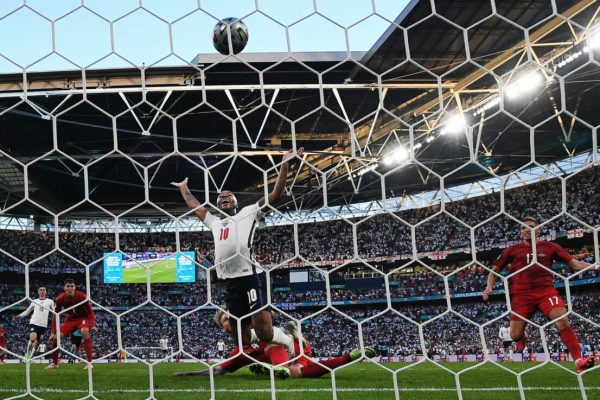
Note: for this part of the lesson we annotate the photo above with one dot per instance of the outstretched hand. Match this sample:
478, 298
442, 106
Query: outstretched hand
181, 184
486, 293
290, 154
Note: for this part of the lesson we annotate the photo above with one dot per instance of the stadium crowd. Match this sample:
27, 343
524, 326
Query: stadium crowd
333, 240
331, 332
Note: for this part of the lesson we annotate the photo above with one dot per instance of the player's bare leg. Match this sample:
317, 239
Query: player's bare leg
263, 325
569, 338
262, 322
88, 346
55, 353
32, 345
246, 331
518, 335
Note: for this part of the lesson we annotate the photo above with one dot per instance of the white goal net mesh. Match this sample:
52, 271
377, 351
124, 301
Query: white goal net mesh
430, 130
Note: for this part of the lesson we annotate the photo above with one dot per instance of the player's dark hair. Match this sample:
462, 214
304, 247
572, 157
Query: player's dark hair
69, 281
529, 218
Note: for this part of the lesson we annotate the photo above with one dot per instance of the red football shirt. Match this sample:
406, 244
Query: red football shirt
3, 336
256, 351
83, 310
535, 277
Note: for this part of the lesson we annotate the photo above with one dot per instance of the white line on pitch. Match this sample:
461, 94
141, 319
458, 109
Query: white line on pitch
294, 390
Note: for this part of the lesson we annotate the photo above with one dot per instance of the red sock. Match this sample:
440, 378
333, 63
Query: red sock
315, 370
569, 338
55, 355
521, 345
277, 355
89, 349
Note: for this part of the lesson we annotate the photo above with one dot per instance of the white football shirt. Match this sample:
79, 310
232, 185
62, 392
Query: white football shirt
233, 240
505, 334
220, 345
41, 311
164, 344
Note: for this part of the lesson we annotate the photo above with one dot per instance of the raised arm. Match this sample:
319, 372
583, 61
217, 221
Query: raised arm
190, 200
578, 265
26, 312
217, 371
573, 263
491, 279
277, 191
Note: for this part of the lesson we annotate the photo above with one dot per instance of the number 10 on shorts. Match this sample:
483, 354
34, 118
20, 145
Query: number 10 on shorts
252, 296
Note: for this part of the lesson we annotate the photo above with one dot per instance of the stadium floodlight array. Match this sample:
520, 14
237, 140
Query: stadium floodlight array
378, 145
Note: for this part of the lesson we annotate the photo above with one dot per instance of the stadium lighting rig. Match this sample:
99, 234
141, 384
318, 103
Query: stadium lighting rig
490, 103
397, 156
527, 84
593, 42
454, 124
531, 81
363, 171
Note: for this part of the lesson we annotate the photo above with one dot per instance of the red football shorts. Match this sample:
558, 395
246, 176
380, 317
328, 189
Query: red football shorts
305, 359
525, 304
71, 325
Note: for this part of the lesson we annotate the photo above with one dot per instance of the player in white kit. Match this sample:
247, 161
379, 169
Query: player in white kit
220, 349
164, 347
507, 342
246, 284
38, 324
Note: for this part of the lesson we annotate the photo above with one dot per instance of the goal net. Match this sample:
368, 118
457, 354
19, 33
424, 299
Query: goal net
426, 138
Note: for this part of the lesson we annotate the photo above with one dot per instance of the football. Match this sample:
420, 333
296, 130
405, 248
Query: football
239, 36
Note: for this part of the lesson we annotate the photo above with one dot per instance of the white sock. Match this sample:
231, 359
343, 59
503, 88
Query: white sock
281, 338
253, 337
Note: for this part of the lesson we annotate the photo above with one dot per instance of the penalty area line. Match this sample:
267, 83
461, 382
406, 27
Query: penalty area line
298, 390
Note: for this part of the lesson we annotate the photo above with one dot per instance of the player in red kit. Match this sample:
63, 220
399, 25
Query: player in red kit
305, 367
80, 317
3, 336
533, 288
266, 353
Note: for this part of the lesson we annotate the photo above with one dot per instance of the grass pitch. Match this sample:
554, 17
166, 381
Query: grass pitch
160, 272
358, 381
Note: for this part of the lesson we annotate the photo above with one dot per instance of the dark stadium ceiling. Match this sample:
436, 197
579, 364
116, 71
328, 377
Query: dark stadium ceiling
205, 130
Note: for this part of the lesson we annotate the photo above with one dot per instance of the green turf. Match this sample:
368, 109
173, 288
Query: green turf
358, 381
160, 272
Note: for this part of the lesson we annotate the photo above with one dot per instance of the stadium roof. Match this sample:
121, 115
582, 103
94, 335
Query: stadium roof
215, 104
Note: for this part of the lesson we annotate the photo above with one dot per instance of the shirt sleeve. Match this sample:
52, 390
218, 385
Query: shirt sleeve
254, 212
260, 215
503, 259
233, 364
209, 220
28, 311
561, 254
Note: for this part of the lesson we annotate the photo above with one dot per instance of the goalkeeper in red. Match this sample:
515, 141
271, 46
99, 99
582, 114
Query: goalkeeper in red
79, 315
533, 288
